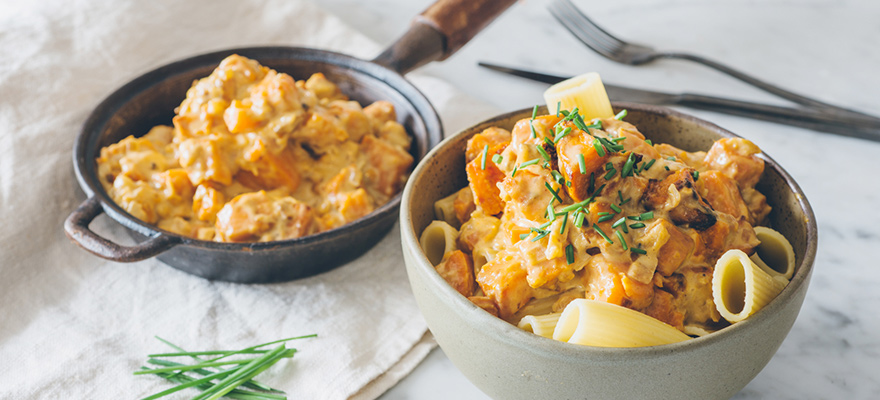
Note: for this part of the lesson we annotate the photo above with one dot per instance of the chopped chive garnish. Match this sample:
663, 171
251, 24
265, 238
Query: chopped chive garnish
558, 107
497, 159
564, 222
544, 225
541, 235
532, 127
569, 253
530, 162
633, 217
637, 250
543, 152
557, 177
646, 216
637, 225
601, 213
618, 139
609, 145
595, 125
551, 212
621, 223
667, 167
579, 221
513, 174
582, 164
670, 158
621, 115
575, 206
628, 166
555, 193
605, 218
548, 141
535, 111
610, 174
564, 113
483, 159
696, 175
602, 233
620, 196
523, 236
562, 134
598, 146
568, 183
615, 208
622, 240
625, 201
648, 164
592, 182
609, 166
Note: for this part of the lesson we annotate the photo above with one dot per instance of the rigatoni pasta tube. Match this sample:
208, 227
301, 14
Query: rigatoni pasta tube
774, 254
601, 324
740, 287
438, 240
542, 325
444, 210
584, 92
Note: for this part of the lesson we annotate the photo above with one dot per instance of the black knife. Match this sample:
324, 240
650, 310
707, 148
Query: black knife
852, 126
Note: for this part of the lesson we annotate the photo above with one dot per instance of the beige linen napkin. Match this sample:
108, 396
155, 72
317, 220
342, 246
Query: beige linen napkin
74, 326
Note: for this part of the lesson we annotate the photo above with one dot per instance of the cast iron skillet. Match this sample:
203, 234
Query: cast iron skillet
150, 99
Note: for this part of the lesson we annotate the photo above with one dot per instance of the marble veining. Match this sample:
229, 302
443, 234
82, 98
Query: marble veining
822, 48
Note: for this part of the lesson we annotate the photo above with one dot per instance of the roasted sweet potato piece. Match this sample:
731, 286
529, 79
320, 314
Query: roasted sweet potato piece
736, 158
387, 167
675, 248
483, 183
485, 303
496, 138
568, 150
464, 205
504, 281
676, 194
458, 271
722, 193
663, 308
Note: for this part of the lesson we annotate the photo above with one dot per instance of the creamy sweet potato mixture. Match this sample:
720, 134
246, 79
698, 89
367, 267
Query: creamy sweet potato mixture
555, 212
256, 156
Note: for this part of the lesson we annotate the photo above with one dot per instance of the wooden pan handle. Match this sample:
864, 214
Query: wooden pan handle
460, 20
440, 31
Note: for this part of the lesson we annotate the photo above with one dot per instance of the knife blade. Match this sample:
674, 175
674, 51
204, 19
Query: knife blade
852, 126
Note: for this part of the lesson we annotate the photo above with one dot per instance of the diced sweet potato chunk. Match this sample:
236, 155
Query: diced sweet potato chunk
464, 205
387, 167
496, 138
458, 271
484, 185
504, 281
568, 151
722, 193
736, 158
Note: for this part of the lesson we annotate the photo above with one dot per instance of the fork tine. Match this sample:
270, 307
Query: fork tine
562, 14
584, 29
589, 22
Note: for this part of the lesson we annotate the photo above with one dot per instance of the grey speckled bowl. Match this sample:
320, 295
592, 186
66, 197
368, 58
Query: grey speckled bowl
508, 363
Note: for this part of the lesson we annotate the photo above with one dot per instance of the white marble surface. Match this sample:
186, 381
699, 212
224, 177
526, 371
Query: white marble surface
824, 48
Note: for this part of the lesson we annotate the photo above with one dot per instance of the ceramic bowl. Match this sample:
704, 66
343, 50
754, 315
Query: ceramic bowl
508, 363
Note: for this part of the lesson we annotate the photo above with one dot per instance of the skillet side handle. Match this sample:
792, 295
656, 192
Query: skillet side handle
440, 31
76, 226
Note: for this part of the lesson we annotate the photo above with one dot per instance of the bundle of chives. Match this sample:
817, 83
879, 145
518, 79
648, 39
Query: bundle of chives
228, 380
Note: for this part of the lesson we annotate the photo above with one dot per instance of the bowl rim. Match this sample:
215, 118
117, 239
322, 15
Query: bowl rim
531, 343
90, 182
